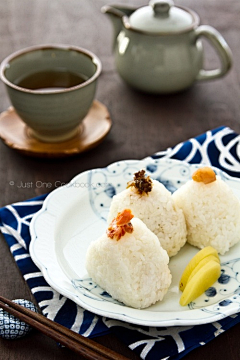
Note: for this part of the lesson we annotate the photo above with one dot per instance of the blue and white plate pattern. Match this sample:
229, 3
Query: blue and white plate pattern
75, 214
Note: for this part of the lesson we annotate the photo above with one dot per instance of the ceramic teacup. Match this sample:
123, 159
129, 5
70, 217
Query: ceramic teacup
51, 88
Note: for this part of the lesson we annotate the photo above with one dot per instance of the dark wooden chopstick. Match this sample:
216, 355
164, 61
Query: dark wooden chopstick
85, 347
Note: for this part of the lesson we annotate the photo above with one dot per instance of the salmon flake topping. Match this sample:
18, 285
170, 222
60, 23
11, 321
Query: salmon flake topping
120, 225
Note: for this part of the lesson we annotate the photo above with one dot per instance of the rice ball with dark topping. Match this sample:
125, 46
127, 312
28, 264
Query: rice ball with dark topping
151, 202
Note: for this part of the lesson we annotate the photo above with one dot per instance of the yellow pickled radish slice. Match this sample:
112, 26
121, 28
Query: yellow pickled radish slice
202, 263
207, 251
200, 282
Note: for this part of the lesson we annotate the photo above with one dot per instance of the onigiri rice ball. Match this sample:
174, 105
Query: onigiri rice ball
132, 268
211, 209
158, 211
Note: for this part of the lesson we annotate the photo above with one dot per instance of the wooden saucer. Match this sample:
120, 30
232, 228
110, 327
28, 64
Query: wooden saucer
92, 131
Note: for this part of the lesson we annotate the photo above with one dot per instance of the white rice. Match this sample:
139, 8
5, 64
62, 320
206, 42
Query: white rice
134, 269
212, 213
158, 211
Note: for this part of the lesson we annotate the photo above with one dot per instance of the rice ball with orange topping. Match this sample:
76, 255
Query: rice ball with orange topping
129, 263
211, 209
151, 202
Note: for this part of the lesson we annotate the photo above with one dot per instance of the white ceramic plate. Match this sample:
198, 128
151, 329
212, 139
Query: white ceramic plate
75, 214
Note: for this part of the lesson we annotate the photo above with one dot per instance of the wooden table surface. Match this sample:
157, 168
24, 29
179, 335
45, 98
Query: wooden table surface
142, 124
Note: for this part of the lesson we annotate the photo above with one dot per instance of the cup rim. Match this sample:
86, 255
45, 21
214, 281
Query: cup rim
5, 64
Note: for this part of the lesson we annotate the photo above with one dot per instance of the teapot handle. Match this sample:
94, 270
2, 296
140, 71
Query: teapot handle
223, 51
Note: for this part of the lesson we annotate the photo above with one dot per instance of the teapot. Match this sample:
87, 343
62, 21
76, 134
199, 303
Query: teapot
158, 48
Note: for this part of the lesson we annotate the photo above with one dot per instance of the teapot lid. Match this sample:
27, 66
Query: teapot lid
162, 16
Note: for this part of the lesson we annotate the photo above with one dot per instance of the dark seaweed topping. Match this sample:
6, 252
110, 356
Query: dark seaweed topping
141, 182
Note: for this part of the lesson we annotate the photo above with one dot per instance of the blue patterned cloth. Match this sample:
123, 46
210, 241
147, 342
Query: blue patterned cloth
220, 148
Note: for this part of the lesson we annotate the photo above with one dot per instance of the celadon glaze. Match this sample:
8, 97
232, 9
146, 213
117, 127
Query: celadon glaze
175, 67
54, 115
164, 56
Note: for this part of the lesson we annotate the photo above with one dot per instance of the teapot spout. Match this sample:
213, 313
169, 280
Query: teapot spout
116, 14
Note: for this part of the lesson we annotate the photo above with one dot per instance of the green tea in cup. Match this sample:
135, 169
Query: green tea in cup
51, 88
